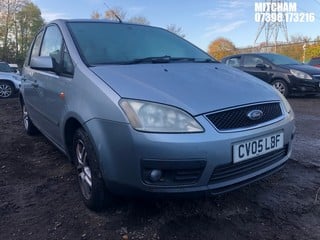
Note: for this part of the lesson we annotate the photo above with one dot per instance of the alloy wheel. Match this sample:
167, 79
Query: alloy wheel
281, 87
84, 171
5, 90
25, 117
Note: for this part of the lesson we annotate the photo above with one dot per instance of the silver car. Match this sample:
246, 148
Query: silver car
140, 110
9, 81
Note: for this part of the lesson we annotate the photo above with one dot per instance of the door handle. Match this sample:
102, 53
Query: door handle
35, 84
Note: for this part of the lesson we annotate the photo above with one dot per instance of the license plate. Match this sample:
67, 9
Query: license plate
256, 147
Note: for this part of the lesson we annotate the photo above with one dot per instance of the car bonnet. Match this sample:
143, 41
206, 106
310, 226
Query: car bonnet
305, 68
195, 87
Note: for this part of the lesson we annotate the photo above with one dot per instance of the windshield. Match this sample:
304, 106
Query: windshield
280, 59
4, 67
118, 43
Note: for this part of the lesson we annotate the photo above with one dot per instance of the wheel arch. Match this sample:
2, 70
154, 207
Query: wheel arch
21, 100
285, 81
70, 127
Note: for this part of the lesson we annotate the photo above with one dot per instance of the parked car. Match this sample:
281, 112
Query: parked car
285, 74
14, 68
9, 81
315, 62
140, 110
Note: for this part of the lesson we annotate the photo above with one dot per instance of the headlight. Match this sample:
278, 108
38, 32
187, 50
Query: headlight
285, 103
300, 74
154, 117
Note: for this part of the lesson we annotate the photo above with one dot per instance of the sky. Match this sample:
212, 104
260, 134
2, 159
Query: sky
202, 21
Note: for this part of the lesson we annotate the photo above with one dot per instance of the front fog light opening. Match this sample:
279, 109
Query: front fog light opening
155, 175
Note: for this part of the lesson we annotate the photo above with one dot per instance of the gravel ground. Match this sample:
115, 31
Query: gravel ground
40, 199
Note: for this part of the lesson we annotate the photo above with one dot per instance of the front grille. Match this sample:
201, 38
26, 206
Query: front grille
187, 175
237, 118
232, 171
316, 77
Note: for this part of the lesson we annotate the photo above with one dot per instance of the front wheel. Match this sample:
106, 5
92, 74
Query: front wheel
92, 186
281, 86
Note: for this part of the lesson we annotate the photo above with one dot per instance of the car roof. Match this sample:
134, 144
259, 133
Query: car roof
254, 53
263, 54
88, 20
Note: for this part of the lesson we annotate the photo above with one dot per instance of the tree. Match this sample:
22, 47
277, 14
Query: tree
139, 20
221, 47
29, 22
176, 30
115, 13
8, 10
20, 20
312, 51
95, 15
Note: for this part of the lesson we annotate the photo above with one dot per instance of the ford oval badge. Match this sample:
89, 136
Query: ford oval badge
255, 114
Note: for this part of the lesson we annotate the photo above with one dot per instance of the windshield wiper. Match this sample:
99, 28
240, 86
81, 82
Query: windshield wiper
165, 59
207, 60
161, 59
196, 60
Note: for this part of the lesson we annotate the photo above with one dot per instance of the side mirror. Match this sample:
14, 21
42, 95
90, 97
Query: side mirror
42, 63
261, 66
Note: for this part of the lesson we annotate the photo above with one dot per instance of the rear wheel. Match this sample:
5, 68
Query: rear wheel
6, 89
92, 186
281, 86
27, 123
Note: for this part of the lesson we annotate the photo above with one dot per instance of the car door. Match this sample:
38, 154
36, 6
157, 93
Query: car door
50, 86
29, 83
257, 67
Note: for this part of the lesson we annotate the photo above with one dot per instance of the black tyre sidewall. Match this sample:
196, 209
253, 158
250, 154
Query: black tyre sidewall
99, 197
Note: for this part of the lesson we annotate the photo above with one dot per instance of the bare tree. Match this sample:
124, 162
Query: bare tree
175, 29
95, 15
8, 10
28, 21
115, 13
19, 21
139, 20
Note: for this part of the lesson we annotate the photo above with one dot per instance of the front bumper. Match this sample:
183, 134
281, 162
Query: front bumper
189, 163
305, 86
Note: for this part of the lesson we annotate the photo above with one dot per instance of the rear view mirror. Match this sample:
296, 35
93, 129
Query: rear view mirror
41, 63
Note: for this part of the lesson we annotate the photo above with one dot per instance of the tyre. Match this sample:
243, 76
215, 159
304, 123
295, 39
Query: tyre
6, 89
281, 86
27, 123
95, 195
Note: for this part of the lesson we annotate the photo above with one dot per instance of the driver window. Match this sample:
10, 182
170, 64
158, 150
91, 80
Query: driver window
52, 43
251, 61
